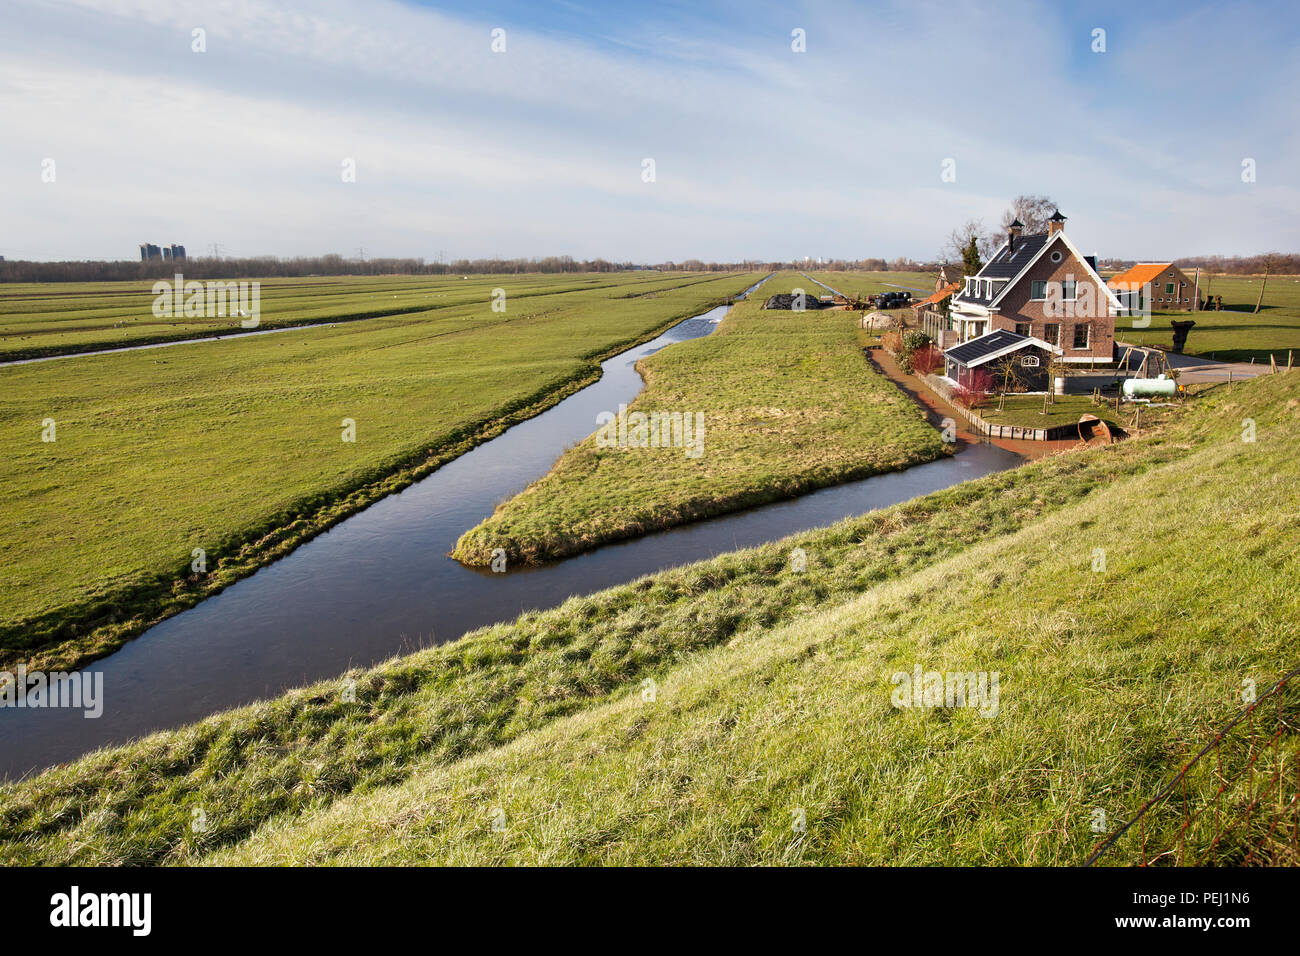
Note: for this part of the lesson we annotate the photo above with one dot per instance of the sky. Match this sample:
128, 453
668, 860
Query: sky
894, 124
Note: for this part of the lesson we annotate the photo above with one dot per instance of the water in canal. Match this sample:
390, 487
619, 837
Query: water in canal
381, 583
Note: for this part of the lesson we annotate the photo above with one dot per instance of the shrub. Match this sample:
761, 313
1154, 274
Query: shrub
914, 339
926, 360
904, 346
974, 394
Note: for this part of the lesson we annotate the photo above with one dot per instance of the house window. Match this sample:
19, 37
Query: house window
1056, 256
1067, 289
1052, 333
1038, 290
1169, 288
1029, 361
1081, 335
1022, 328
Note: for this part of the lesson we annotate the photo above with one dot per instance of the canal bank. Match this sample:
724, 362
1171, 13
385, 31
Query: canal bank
380, 583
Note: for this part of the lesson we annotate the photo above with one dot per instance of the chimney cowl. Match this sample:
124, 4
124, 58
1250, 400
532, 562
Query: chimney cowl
1013, 233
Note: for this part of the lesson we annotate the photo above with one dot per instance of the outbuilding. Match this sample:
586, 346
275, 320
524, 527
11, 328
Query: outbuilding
1000, 360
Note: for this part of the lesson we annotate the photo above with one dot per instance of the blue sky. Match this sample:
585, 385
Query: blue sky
759, 151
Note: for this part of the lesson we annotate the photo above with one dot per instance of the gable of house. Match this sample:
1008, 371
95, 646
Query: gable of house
989, 355
1169, 287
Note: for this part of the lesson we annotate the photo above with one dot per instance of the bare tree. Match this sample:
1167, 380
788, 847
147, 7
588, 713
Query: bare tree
1008, 376
959, 239
1268, 264
1032, 211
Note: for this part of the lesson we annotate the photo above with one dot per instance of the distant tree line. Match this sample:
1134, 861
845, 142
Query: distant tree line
335, 265
270, 267
1277, 263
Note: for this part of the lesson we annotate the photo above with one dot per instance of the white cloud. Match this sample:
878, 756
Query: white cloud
759, 151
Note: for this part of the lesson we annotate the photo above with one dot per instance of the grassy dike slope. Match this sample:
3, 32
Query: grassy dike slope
788, 403
261, 767
236, 447
1107, 681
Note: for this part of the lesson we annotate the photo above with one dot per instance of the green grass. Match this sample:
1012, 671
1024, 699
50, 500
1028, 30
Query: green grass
872, 283
1027, 411
60, 318
772, 690
1238, 335
236, 447
788, 404
1101, 698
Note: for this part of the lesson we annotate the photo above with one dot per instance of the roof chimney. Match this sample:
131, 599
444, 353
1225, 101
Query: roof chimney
1056, 223
1013, 233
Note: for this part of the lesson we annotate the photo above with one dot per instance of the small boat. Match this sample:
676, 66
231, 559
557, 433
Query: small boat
1094, 431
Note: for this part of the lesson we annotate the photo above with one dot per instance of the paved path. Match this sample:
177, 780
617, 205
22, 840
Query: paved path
1194, 369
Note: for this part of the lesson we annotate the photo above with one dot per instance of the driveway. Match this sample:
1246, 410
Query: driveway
1192, 369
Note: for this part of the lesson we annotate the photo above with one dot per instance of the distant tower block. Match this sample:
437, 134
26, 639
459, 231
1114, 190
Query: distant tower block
149, 251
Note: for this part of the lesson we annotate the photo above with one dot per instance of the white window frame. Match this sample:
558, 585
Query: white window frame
1087, 326
1074, 283
1038, 298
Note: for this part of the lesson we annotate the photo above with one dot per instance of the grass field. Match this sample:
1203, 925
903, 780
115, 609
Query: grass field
1237, 335
788, 405
58, 318
771, 699
871, 283
237, 447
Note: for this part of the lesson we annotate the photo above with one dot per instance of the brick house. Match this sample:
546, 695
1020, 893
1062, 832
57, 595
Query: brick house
1042, 287
1160, 286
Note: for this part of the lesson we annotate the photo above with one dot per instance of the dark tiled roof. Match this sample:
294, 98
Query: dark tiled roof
976, 349
1006, 264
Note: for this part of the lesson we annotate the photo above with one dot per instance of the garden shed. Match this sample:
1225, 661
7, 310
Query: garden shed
999, 359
